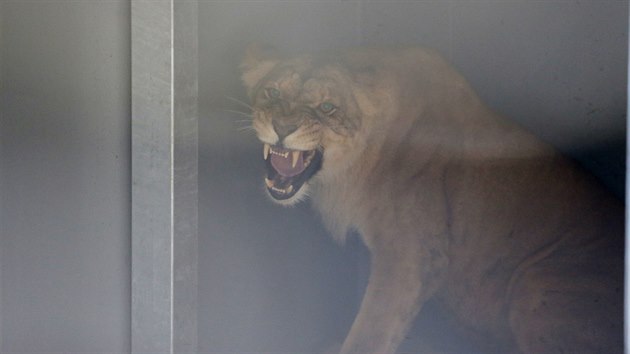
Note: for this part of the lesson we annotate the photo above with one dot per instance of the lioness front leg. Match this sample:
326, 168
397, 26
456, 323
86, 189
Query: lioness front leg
394, 295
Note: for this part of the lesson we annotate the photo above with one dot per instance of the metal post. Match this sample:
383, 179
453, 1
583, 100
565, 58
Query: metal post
164, 176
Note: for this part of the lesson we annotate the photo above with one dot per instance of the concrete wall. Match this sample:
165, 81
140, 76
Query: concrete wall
64, 176
270, 278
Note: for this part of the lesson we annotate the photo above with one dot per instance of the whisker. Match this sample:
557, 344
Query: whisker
247, 128
238, 112
244, 124
244, 104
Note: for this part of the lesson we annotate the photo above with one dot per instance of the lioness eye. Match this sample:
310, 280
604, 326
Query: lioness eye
327, 107
272, 93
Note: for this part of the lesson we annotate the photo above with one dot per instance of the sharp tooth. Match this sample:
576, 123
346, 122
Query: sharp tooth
266, 149
290, 189
296, 156
268, 182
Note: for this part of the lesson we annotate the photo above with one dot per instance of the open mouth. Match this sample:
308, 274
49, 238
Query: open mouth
287, 169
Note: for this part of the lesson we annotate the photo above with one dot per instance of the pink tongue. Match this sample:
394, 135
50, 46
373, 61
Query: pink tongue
284, 165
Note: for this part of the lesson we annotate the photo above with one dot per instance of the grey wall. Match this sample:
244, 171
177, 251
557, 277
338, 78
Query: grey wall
64, 176
270, 278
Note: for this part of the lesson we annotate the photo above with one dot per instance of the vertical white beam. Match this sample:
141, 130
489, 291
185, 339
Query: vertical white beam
164, 176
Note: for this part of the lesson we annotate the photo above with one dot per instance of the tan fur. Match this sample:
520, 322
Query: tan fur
453, 202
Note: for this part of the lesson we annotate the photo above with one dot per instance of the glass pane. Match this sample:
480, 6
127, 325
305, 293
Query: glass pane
272, 279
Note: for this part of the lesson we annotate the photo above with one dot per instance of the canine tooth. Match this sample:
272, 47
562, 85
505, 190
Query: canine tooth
266, 149
268, 182
290, 189
296, 156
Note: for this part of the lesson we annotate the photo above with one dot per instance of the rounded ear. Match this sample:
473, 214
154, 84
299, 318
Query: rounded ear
258, 62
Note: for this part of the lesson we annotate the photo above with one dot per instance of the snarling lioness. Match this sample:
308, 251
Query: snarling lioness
453, 201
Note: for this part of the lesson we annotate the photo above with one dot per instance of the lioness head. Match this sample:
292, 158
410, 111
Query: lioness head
305, 112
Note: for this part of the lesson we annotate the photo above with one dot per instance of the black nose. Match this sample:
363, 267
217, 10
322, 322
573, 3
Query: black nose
284, 129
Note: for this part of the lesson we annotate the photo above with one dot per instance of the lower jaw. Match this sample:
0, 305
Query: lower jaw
281, 193
288, 199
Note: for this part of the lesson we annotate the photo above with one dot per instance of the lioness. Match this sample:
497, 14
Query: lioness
452, 201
